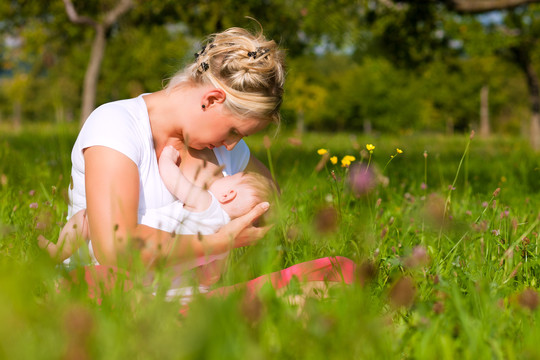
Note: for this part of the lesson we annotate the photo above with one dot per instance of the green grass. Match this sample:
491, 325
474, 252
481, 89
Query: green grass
466, 299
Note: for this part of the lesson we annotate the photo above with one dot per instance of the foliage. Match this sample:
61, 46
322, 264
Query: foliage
449, 265
389, 66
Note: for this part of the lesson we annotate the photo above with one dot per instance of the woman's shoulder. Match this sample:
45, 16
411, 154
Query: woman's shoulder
121, 125
122, 108
120, 115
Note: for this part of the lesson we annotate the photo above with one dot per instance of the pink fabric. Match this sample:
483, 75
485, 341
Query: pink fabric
102, 279
334, 269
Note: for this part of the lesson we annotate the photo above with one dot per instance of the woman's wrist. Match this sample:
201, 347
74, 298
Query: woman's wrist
179, 248
217, 243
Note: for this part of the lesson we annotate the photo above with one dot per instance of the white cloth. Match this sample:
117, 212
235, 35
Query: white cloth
174, 218
125, 126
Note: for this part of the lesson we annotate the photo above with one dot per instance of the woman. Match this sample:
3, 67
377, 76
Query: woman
233, 89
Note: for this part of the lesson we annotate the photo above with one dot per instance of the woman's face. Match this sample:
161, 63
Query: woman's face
217, 127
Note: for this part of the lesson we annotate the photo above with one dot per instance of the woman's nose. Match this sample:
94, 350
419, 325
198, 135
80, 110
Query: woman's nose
231, 143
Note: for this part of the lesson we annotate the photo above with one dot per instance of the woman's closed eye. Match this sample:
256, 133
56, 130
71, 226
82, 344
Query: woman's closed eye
235, 132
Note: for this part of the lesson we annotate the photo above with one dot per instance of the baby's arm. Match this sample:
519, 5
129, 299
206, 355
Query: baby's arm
74, 233
194, 198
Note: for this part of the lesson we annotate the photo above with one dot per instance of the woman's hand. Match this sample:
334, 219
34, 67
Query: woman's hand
241, 232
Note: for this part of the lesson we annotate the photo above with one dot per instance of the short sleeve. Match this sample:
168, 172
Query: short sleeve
235, 160
112, 126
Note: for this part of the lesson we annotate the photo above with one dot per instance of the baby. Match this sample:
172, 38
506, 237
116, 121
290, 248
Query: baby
204, 211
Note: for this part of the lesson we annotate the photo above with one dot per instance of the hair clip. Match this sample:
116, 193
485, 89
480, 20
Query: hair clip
262, 52
197, 54
204, 66
257, 54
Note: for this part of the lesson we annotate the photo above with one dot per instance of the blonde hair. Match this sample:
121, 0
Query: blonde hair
264, 188
246, 66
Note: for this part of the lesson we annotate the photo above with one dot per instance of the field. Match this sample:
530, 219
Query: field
445, 235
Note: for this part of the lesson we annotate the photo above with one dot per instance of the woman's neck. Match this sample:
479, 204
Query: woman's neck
166, 114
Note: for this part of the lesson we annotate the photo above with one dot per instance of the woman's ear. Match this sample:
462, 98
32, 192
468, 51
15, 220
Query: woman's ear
212, 97
227, 196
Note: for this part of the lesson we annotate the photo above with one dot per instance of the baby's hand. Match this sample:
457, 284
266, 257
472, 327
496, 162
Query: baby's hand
171, 153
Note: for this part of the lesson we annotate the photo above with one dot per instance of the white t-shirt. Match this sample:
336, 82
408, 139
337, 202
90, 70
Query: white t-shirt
174, 218
125, 126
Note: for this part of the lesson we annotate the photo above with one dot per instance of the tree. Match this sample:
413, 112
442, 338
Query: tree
306, 98
419, 24
521, 53
481, 6
101, 24
518, 42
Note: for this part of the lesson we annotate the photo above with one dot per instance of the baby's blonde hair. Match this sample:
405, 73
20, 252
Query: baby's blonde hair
264, 188
249, 68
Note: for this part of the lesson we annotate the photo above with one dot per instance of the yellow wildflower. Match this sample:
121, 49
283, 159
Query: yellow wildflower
370, 147
399, 151
347, 160
322, 151
333, 160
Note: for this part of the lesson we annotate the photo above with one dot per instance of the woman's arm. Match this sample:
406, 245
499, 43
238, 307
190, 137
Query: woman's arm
112, 197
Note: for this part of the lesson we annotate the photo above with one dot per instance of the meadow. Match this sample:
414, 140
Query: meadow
444, 232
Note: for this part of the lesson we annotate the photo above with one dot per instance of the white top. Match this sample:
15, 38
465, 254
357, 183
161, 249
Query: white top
125, 126
174, 218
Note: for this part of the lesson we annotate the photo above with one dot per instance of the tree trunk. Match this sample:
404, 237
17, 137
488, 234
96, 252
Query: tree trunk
98, 47
523, 59
484, 111
17, 115
300, 122
449, 126
535, 131
534, 94
92, 73
479, 6
368, 129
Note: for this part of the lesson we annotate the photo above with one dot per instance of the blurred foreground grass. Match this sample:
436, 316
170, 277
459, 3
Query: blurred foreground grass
447, 269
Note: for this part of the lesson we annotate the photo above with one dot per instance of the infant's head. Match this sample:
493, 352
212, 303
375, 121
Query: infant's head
239, 193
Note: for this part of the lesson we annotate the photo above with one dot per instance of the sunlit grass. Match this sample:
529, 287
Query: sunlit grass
448, 264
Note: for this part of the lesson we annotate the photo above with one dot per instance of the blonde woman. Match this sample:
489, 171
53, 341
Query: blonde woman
232, 89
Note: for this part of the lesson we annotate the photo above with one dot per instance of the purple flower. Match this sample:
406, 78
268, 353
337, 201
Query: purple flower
41, 226
418, 257
34, 205
361, 179
423, 186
